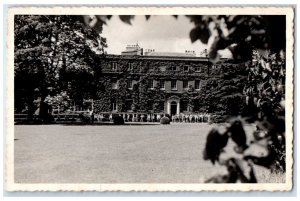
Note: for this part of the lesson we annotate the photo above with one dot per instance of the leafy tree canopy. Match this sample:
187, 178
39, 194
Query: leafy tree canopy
51, 53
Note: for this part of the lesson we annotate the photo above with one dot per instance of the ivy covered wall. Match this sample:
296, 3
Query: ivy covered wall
219, 92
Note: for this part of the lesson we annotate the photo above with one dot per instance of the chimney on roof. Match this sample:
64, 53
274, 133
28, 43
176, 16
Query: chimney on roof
148, 51
189, 52
133, 50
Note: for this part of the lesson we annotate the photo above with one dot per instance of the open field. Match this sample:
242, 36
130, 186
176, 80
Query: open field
112, 154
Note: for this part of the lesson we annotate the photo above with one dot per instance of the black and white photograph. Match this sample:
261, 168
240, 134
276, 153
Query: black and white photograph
150, 99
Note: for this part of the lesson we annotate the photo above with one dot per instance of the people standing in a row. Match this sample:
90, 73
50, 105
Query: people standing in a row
182, 118
191, 118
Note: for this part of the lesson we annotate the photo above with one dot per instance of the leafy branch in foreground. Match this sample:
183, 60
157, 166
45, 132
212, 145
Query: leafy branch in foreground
238, 34
266, 145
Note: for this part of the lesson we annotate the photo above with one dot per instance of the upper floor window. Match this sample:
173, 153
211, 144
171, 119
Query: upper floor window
162, 84
114, 66
114, 84
197, 69
186, 68
173, 68
197, 84
130, 66
129, 104
185, 84
174, 84
151, 84
129, 84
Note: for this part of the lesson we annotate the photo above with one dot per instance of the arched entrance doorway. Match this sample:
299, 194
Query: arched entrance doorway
173, 108
173, 105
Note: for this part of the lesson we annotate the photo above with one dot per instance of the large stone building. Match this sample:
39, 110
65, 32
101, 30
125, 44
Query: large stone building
147, 81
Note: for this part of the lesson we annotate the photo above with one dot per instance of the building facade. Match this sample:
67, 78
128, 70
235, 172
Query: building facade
152, 82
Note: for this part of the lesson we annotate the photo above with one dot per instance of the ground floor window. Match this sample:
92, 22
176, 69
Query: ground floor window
129, 104
197, 84
113, 105
161, 105
150, 104
196, 105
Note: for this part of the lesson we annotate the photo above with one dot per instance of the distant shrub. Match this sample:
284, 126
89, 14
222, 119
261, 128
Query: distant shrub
167, 115
165, 120
118, 120
105, 119
84, 117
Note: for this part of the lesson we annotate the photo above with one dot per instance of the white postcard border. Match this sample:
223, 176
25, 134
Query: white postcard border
87, 10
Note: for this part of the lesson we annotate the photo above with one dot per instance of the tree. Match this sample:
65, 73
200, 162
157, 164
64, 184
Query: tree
239, 34
246, 37
260, 39
60, 101
264, 90
51, 53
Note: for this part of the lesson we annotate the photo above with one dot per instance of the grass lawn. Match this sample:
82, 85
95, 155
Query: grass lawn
112, 154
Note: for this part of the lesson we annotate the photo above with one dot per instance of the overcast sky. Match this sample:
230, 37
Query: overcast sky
162, 33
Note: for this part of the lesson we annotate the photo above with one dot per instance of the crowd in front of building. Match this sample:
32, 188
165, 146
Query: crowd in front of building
134, 117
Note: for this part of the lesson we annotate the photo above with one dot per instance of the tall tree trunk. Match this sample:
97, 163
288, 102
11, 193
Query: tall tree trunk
44, 108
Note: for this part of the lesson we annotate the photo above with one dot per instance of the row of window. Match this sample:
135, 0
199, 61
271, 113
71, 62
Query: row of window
161, 84
174, 83
163, 68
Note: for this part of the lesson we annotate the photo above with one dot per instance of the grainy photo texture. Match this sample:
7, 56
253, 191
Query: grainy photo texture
150, 99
